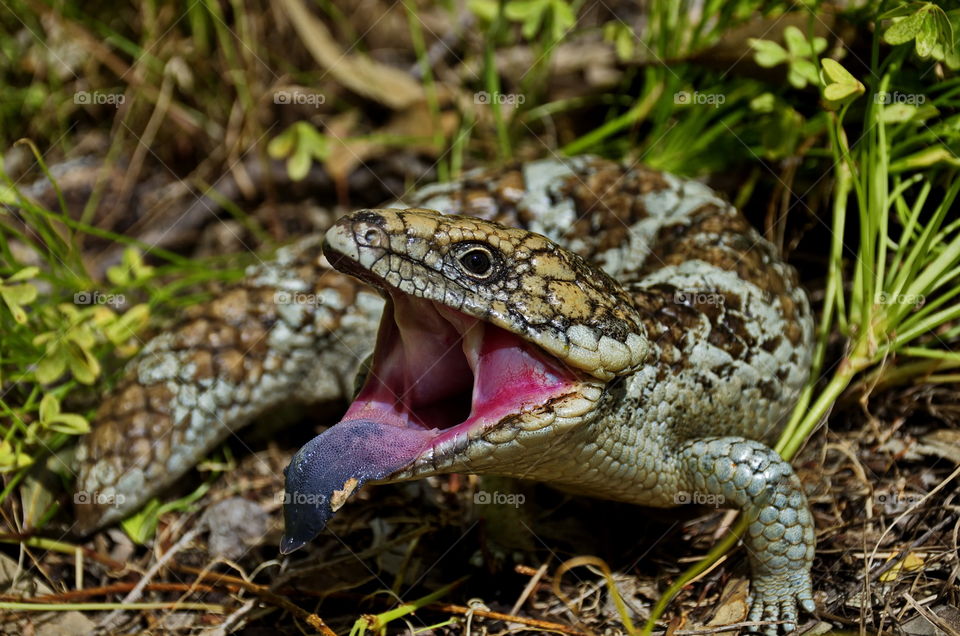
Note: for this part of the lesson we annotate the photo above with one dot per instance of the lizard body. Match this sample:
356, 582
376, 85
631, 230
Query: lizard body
616, 332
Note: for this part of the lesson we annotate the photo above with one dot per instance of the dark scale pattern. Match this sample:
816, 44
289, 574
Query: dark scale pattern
692, 340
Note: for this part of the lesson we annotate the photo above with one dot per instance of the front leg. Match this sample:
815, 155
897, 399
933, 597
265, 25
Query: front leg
780, 540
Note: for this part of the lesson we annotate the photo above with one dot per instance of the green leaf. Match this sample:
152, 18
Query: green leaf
896, 12
11, 459
530, 12
126, 326
49, 407
53, 419
838, 92
83, 365
945, 28
563, 19
130, 270
622, 38
15, 296
283, 144
301, 143
520, 10
140, 527
299, 164
836, 73
536, 14
24, 274
768, 52
927, 37
781, 132
926, 158
8, 196
842, 85
81, 335
905, 29
69, 423
51, 366
763, 103
803, 72
20, 294
799, 45
796, 42
486, 10
897, 113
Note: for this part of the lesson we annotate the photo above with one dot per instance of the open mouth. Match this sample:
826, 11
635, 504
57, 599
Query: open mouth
442, 372
438, 379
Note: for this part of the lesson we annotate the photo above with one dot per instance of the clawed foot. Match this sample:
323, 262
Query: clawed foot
776, 597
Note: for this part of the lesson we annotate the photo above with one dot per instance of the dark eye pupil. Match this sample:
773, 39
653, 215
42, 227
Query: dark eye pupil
476, 261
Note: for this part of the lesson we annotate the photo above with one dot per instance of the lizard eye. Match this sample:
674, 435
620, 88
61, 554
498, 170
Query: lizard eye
476, 261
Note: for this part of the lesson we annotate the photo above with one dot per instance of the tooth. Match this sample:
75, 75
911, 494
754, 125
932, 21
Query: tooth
472, 341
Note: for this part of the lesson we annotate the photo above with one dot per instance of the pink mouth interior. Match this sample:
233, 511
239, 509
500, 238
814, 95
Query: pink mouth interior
439, 373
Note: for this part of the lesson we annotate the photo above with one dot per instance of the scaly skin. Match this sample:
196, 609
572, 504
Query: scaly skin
690, 338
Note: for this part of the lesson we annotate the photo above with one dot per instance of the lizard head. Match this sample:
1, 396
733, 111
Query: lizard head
493, 339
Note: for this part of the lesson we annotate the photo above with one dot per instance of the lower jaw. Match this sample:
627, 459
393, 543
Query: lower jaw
522, 446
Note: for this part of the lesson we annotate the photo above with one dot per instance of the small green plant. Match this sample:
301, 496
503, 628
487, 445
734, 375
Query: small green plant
16, 293
301, 144
799, 55
60, 325
933, 30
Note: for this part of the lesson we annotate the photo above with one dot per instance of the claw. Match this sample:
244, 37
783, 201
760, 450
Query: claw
776, 599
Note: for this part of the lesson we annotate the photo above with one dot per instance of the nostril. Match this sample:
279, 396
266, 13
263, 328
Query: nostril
370, 235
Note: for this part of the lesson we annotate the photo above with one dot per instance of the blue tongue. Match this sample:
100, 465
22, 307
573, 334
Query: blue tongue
334, 465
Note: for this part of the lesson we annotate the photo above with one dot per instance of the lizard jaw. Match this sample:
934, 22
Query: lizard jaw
430, 364
441, 371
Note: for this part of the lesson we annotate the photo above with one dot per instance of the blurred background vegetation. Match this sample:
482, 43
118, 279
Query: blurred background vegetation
149, 150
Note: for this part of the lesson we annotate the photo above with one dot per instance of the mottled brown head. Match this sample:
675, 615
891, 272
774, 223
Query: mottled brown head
515, 279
